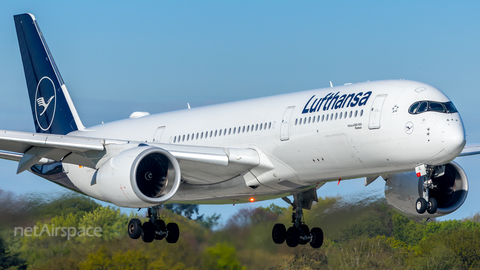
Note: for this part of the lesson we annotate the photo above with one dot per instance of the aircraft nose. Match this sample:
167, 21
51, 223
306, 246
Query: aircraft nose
453, 136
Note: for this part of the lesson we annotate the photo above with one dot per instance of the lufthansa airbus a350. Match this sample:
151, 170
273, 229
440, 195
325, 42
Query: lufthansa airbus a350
406, 132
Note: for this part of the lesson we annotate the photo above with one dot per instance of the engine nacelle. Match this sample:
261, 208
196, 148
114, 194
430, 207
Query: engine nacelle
403, 189
139, 177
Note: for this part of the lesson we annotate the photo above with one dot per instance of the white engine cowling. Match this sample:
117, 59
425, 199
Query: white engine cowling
139, 177
403, 189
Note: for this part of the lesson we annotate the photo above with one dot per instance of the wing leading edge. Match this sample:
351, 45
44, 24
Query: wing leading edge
214, 163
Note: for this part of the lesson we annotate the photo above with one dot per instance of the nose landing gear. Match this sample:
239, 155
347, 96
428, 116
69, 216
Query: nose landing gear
154, 229
427, 203
299, 233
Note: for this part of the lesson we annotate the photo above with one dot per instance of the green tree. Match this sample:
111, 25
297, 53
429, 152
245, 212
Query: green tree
10, 260
222, 257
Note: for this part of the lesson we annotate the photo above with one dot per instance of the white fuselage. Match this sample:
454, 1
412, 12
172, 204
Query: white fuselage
305, 137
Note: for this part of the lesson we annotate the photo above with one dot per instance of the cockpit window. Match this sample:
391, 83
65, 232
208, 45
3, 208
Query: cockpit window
423, 107
436, 107
432, 106
450, 107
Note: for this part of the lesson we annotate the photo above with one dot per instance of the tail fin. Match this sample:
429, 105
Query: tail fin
52, 108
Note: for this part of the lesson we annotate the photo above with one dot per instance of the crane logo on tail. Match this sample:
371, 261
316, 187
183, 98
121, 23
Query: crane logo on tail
44, 113
41, 102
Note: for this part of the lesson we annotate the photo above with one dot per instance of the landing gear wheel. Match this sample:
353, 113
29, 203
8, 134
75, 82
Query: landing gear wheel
305, 231
432, 206
293, 237
148, 232
134, 228
279, 233
317, 237
173, 233
421, 205
159, 227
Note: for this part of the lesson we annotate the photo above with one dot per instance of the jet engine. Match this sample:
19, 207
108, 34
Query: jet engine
143, 176
403, 189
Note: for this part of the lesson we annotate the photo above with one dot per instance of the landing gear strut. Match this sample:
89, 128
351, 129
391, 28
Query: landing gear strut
427, 203
299, 233
154, 229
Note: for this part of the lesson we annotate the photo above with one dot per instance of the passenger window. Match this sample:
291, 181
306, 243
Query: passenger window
270, 125
229, 131
356, 112
327, 118
234, 129
350, 114
256, 127
323, 117
341, 115
361, 113
309, 119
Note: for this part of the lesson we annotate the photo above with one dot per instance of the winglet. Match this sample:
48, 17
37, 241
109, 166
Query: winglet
52, 108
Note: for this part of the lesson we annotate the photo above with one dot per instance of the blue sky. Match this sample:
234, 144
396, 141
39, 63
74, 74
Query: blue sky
117, 57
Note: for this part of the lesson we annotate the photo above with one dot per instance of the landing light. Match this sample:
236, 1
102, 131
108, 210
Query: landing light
252, 199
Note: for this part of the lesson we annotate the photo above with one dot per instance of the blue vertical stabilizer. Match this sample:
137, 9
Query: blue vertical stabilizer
52, 108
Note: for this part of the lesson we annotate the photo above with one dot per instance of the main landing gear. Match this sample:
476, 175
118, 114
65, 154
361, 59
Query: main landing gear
427, 203
299, 233
154, 229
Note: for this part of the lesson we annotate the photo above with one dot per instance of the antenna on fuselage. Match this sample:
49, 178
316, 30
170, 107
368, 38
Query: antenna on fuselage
188, 104
331, 85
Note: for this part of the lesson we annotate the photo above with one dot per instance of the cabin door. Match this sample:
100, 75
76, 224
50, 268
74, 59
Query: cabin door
376, 112
284, 128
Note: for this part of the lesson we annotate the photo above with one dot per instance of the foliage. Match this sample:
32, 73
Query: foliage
9, 259
361, 233
186, 210
222, 257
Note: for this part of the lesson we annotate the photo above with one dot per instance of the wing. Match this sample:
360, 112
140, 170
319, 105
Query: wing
200, 165
469, 150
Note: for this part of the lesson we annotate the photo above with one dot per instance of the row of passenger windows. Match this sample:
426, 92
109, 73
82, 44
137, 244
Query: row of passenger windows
223, 132
327, 117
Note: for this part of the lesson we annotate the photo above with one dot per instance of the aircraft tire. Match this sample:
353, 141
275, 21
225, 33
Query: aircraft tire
317, 237
421, 205
432, 206
279, 233
148, 234
293, 237
134, 228
173, 233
